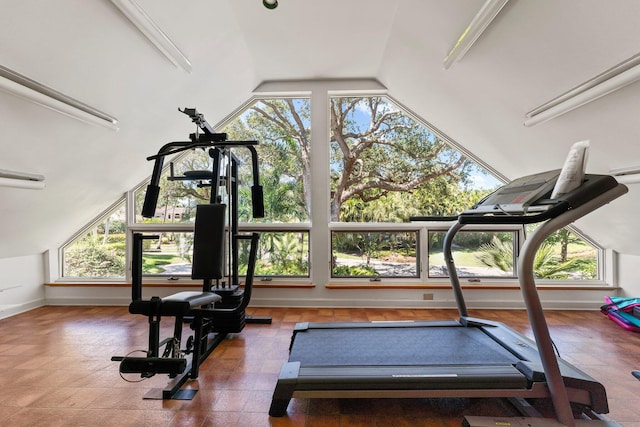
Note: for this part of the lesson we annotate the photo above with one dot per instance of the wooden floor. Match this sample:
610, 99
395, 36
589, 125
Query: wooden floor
56, 371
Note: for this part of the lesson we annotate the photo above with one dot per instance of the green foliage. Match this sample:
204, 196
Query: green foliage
470, 240
291, 269
283, 128
497, 254
283, 254
563, 238
391, 165
115, 227
153, 263
385, 165
547, 263
279, 254
354, 271
374, 244
117, 240
88, 258
586, 268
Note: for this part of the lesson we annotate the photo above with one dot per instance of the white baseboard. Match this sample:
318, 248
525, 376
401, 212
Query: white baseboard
89, 301
9, 310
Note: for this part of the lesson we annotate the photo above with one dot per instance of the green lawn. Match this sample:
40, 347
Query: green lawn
466, 258
153, 263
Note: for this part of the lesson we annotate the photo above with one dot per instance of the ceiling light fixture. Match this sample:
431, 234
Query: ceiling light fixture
152, 31
478, 25
270, 4
29, 89
614, 78
21, 180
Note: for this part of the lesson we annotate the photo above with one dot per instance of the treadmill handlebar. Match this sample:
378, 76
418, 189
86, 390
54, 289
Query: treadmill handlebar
433, 218
557, 209
592, 187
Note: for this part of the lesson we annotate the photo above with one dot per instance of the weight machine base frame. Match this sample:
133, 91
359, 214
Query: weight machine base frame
181, 394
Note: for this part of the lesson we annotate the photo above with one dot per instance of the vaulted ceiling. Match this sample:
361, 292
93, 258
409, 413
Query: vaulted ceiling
532, 52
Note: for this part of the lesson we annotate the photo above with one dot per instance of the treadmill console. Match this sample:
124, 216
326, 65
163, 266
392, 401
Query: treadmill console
520, 195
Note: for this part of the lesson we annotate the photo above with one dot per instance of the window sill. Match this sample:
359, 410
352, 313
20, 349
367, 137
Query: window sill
378, 285
339, 286
194, 285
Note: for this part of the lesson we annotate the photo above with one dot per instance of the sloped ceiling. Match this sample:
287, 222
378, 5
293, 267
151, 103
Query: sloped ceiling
533, 51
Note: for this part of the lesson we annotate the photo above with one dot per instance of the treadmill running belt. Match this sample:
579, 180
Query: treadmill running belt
397, 346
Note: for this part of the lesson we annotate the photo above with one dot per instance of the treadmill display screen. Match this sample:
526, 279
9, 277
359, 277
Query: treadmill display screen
520, 194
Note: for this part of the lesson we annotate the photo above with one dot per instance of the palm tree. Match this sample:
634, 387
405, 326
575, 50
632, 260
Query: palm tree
547, 264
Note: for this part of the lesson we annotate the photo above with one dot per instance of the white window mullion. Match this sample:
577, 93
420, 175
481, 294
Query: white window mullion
320, 210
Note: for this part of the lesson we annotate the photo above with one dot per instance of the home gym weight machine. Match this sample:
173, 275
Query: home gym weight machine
469, 357
219, 308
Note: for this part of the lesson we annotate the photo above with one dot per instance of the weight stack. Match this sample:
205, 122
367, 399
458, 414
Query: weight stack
230, 299
228, 322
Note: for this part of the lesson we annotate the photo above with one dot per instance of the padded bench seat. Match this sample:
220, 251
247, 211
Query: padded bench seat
195, 299
173, 305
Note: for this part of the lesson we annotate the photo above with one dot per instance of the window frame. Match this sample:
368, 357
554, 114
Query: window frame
480, 280
319, 227
118, 204
378, 227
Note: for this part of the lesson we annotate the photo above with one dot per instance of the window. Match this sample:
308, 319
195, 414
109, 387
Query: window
386, 166
374, 255
282, 254
492, 254
170, 254
282, 128
566, 256
97, 251
475, 254
337, 203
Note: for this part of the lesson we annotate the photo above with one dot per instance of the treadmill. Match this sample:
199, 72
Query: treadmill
467, 358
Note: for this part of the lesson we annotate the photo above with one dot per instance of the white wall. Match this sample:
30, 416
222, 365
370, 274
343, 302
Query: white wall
629, 275
21, 284
320, 296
